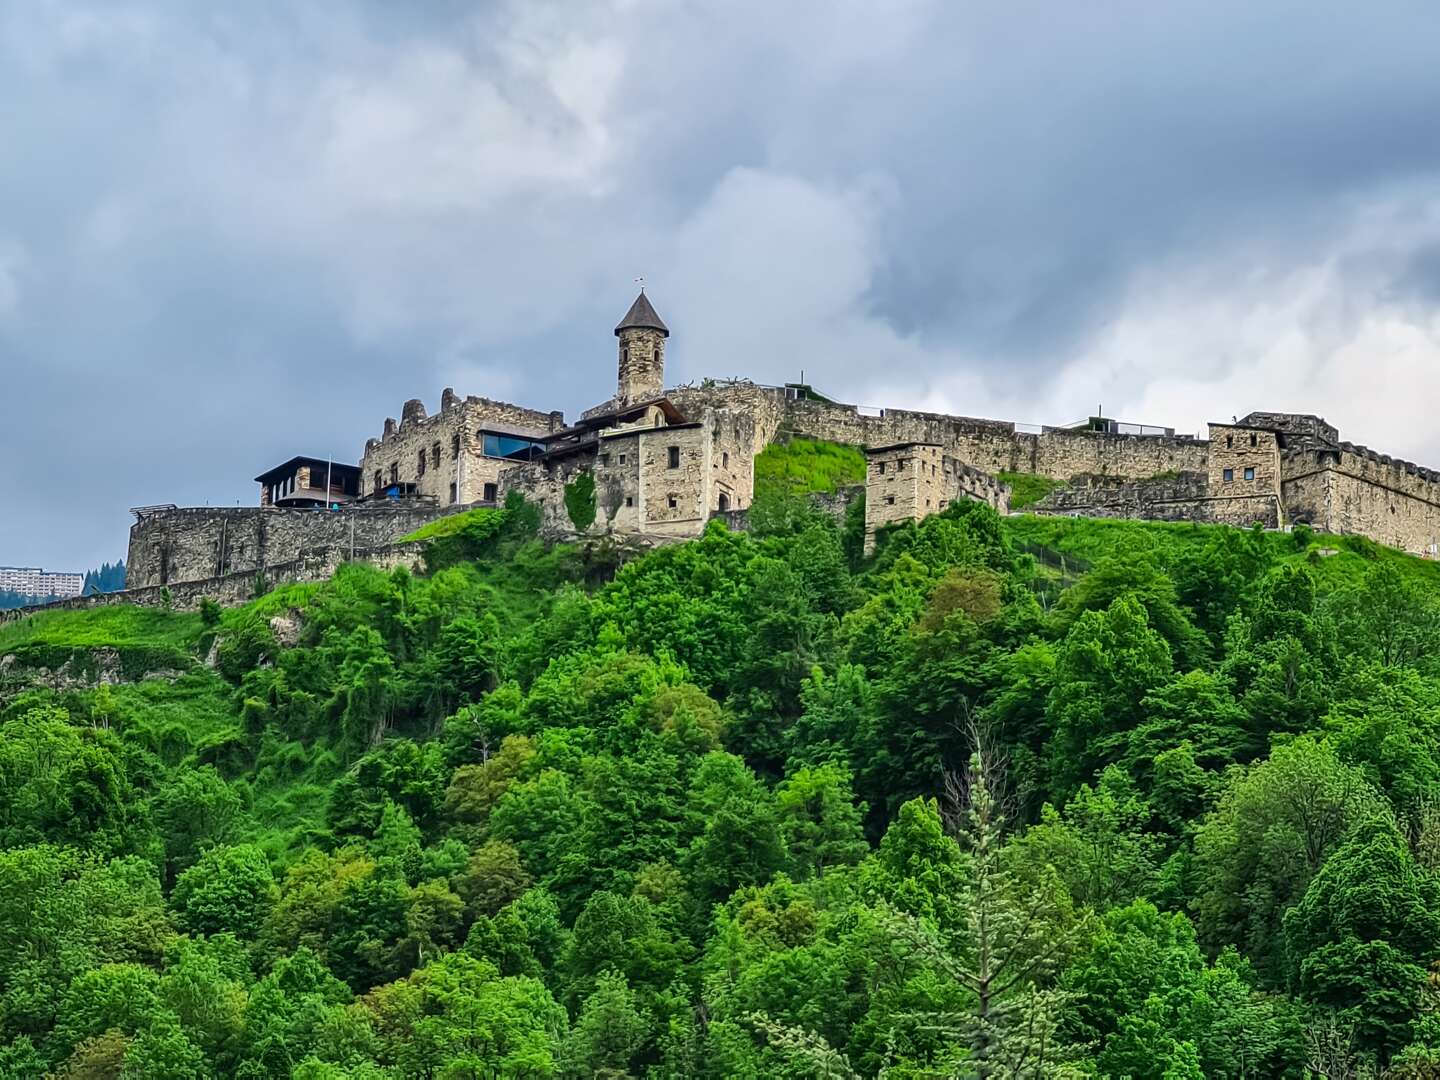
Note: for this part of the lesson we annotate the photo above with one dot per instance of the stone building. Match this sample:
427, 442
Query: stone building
456, 456
908, 481
309, 482
658, 464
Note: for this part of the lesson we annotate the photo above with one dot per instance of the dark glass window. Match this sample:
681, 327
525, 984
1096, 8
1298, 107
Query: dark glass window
1228, 475
510, 446
674, 457
1249, 474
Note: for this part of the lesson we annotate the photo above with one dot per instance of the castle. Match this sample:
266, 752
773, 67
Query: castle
654, 465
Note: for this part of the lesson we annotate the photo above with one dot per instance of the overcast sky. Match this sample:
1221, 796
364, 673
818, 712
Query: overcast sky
234, 232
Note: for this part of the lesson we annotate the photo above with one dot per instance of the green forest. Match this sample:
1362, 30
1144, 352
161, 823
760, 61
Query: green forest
1014, 797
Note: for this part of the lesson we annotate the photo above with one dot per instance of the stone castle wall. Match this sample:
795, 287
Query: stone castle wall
455, 468
1353, 490
168, 547
240, 587
989, 445
913, 480
1185, 496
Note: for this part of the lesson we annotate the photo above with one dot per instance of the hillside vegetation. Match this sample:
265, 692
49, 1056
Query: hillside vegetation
1019, 797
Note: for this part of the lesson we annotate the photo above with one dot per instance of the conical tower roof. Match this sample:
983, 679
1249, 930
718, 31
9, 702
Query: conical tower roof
642, 316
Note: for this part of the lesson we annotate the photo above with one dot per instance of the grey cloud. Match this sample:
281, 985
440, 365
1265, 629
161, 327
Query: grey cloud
232, 234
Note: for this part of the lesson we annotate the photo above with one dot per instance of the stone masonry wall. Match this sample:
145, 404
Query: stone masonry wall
455, 468
239, 588
1182, 497
196, 543
1238, 449
912, 481
988, 445
642, 365
1353, 492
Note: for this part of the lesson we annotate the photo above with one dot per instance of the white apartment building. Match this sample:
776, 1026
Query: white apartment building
33, 581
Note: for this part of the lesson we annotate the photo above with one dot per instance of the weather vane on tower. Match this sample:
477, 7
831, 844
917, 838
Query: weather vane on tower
641, 282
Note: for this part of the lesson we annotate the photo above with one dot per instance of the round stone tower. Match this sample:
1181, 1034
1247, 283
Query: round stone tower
642, 336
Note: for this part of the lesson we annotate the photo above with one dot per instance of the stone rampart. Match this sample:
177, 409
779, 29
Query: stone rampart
1351, 489
240, 587
1183, 496
198, 543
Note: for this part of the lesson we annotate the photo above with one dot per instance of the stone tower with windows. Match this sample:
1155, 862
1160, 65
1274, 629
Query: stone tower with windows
642, 336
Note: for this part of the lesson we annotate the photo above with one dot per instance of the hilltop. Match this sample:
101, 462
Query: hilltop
716, 810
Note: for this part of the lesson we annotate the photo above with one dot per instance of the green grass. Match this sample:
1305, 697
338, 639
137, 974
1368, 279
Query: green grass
1091, 539
448, 525
801, 466
1026, 489
113, 625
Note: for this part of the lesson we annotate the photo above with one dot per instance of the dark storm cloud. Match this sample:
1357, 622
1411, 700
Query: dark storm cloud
232, 234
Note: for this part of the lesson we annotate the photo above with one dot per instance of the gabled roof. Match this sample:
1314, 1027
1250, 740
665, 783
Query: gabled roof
642, 316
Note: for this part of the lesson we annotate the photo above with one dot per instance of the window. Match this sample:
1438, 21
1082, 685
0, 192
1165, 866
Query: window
1229, 442
629, 500
379, 481
1252, 442
725, 459
622, 459
724, 502
394, 472
674, 457
1249, 474
1228, 475
604, 460
435, 455
455, 446
509, 446
490, 492
882, 468
672, 502
900, 465
420, 467
624, 355
452, 491
889, 500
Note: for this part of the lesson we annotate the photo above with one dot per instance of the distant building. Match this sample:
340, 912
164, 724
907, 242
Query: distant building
309, 482
33, 581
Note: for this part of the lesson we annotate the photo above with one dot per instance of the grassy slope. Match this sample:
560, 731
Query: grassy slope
800, 466
1090, 539
114, 625
1026, 489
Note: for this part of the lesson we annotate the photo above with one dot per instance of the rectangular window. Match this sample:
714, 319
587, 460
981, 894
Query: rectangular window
629, 500
622, 460
889, 500
1252, 440
900, 465
452, 491
490, 493
604, 460
435, 455
510, 446
1228, 475
672, 502
420, 465
882, 468
455, 446
1229, 442
1249, 474
674, 457
725, 459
